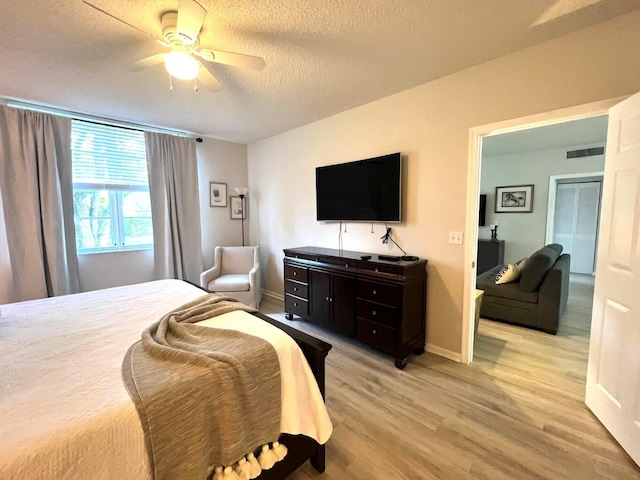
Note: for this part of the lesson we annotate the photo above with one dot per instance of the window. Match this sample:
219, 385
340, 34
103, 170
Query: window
112, 208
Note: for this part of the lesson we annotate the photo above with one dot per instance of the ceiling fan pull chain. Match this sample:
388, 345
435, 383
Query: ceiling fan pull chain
195, 84
170, 83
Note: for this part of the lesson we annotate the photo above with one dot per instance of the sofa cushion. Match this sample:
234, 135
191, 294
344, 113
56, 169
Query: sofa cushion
537, 266
508, 273
487, 281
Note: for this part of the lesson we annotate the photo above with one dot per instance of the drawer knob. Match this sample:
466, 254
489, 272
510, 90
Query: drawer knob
373, 313
375, 331
377, 270
375, 293
295, 289
295, 304
326, 298
295, 273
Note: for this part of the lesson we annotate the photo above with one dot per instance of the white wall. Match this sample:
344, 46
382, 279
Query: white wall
218, 161
524, 233
221, 162
430, 124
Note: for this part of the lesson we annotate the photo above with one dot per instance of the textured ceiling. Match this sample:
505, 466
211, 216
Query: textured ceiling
322, 56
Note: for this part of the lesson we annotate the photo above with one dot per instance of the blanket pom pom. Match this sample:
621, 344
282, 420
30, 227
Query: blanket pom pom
280, 450
267, 458
229, 474
218, 474
243, 469
255, 466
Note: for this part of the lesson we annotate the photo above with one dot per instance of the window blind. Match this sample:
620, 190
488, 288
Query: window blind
108, 157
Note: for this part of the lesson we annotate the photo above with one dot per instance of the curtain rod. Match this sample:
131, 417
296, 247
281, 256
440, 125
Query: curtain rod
91, 118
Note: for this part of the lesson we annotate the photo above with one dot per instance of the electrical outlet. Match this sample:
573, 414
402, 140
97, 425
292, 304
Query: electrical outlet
455, 238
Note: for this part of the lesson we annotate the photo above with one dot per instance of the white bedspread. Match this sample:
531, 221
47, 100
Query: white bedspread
59, 420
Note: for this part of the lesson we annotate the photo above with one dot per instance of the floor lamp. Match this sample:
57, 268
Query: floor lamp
242, 192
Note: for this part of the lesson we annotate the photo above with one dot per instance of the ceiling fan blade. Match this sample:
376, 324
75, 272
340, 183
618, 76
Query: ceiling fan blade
190, 18
206, 77
147, 62
234, 59
162, 42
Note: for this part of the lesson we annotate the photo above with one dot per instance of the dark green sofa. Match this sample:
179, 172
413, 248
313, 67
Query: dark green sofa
537, 299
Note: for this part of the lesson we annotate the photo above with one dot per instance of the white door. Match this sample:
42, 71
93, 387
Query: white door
613, 375
576, 223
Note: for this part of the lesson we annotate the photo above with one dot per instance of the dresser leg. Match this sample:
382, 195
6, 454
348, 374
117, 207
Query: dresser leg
418, 350
401, 363
288, 316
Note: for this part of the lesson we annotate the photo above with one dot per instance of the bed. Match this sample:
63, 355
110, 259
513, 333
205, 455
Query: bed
65, 413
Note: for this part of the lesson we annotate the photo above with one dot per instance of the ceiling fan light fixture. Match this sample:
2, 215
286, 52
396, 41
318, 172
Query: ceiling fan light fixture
180, 64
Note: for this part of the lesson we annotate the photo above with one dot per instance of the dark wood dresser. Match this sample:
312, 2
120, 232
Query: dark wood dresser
381, 303
490, 254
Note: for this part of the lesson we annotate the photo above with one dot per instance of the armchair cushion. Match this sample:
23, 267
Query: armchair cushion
230, 283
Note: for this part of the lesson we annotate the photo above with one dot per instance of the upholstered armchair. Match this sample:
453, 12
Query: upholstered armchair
236, 273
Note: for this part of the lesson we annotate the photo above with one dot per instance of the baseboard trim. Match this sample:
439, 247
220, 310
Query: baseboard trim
443, 352
273, 295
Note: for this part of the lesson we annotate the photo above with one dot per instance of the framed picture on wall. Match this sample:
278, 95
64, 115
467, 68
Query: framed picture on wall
217, 194
237, 210
514, 199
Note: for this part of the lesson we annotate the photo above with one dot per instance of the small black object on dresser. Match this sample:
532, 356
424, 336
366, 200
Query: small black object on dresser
380, 303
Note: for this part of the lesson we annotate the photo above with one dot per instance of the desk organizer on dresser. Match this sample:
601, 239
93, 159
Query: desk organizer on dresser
380, 303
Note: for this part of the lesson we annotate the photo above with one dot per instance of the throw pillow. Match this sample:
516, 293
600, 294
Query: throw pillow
508, 273
522, 262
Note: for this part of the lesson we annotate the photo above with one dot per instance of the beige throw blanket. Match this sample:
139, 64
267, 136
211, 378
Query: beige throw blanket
205, 396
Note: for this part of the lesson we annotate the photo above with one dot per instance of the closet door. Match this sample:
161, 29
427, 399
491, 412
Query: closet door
576, 223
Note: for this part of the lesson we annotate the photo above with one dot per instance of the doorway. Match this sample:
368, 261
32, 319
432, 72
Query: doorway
566, 197
477, 136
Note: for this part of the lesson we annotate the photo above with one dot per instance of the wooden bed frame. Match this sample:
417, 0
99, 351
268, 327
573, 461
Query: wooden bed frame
301, 448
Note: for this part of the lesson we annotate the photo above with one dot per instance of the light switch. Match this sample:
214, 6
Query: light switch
455, 238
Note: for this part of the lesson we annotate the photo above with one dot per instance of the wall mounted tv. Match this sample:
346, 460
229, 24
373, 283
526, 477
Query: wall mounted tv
482, 210
363, 191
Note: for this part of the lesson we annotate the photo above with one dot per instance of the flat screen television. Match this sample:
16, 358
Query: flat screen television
363, 191
482, 210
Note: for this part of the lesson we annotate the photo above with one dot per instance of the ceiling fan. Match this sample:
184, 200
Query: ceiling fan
181, 30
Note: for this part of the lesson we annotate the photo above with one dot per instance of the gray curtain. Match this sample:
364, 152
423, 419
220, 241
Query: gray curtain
175, 206
37, 199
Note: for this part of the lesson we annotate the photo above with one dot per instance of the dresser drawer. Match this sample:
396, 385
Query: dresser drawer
296, 305
378, 292
376, 335
380, 268
341, 263
299, 274
296, 288
378, 313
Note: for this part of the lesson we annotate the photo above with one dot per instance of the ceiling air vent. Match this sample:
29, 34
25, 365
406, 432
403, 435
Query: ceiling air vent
585, 152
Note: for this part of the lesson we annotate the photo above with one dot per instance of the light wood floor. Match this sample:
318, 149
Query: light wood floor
517, 412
